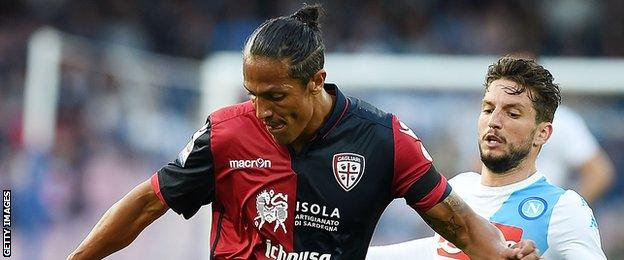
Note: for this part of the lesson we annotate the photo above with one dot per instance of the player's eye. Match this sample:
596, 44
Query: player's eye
513, 115
487, 110
277, 96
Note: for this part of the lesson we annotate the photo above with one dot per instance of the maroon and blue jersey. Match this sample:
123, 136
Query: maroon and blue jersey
270, 202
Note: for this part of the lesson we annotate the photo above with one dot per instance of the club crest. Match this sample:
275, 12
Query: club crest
271, 207
348, 169
532, 208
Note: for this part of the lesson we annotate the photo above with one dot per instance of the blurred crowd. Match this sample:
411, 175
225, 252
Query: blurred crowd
196, 28
96, 135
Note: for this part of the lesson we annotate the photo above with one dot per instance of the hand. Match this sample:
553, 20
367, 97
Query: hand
524, 250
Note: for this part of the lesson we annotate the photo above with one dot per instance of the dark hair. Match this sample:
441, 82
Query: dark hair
296, 38
529, 75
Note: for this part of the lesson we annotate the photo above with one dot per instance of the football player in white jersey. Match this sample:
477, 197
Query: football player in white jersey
515, 121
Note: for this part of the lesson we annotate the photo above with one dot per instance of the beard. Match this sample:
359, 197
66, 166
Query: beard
503, 163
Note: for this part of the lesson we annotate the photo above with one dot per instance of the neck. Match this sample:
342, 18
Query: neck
521, 172
322, 110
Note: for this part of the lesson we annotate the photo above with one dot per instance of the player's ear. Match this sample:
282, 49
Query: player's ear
317, 82
542, 134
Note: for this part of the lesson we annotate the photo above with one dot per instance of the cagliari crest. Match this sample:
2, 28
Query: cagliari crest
348, 169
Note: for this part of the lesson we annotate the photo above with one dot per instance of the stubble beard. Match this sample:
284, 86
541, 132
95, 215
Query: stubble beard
508, 161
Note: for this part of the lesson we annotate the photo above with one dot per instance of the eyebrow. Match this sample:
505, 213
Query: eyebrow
271, 89
512, 105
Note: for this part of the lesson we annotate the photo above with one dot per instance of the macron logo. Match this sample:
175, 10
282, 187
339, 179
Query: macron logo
257, 163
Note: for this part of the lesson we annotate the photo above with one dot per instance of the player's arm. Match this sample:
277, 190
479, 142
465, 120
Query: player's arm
596, 176
573, 230
427, 191
454, 220
121, 224
183, 185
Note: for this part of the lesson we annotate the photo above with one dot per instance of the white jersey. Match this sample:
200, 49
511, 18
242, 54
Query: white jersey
560, 222
570, 146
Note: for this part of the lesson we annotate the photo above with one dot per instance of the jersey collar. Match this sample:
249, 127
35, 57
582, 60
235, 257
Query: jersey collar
514, 186
337, 113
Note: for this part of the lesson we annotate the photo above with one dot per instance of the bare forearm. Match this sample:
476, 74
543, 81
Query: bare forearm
597, 176
457, 223
451, 227
121, 224
106, 237
483, 237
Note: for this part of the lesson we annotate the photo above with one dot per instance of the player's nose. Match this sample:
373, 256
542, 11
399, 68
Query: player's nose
495, 120
263, 108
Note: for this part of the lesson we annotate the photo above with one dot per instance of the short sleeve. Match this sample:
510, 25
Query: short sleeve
573, 231
187, 183
415, 178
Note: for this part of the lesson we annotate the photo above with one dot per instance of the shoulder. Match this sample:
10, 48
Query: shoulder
573, 230
570, 201
230, 112
226, 124
367, 112
572, 215
572, 197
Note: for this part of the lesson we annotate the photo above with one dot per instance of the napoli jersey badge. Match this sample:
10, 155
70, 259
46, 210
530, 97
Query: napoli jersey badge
532, 208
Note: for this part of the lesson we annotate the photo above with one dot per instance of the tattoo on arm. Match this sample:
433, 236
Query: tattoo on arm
454, 202
449, 226
446, 228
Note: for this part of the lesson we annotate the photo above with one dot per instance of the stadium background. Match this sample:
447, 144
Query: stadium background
129, 98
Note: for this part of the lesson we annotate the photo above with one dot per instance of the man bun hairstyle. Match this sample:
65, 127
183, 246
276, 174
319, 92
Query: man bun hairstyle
309, 15
533, 79
296, 38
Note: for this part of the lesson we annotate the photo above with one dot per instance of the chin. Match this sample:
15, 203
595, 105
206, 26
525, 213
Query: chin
498, 151
281, 139
491, 154
490, 157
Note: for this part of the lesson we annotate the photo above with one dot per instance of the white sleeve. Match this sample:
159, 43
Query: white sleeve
573, 231
423, 248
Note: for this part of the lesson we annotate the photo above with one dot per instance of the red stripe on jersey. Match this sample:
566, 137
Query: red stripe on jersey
433, 197
410, 162
255, 187
156, 187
